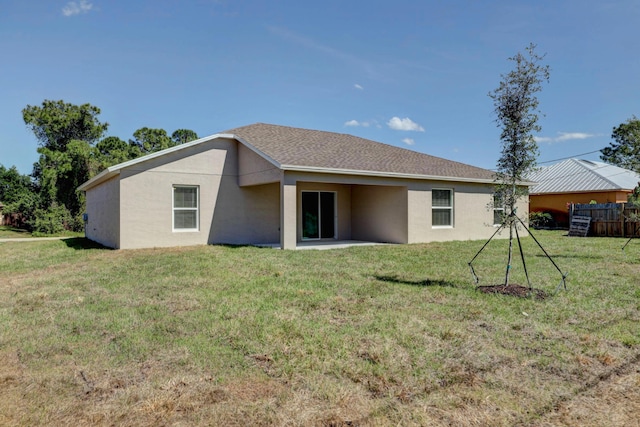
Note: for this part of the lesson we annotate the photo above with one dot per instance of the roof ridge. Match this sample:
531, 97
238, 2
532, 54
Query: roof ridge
575, 175
348, 135
596, 173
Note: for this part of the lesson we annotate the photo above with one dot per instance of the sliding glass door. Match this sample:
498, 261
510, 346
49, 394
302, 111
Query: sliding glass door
318, 215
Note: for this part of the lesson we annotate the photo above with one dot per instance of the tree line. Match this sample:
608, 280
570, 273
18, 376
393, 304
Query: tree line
72, 149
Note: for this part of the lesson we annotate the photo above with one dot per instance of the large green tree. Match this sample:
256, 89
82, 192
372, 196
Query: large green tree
56, 123
516, 108
13, 185
624, 150
113, 150
150, 140
66, 134
182, 136
72, 150
18, 195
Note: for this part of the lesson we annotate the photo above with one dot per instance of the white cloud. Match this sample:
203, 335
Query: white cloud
409, 141
357, 86
76, 8
356, 123
564, 136
396, 123
542, 139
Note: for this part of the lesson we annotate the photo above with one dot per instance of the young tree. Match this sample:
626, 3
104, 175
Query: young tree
625, 150
516, 108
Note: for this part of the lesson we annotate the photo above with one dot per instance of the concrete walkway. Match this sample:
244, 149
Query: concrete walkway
323, 244
32, 239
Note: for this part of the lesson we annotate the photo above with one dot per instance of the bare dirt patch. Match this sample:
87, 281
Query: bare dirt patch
514, 290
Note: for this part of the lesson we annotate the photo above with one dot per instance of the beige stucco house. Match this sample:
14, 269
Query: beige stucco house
265, 184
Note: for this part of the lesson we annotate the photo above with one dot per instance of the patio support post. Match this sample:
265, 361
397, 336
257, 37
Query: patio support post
288, 222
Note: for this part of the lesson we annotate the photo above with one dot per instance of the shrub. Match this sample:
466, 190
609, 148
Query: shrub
540, 219
53, 220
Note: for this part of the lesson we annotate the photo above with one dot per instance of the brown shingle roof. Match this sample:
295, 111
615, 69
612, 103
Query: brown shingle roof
295, 147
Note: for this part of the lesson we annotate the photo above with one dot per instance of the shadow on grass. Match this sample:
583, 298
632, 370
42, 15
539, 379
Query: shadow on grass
239, 246
576, 256
81, 243
13, 229
423, 283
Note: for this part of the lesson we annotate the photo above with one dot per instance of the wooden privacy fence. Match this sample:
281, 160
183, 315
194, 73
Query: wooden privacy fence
609, 219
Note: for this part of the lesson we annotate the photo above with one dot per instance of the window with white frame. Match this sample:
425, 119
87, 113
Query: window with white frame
498, 209
442, 208
185, 208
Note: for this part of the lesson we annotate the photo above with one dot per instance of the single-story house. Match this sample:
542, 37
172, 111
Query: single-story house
270, 184
578, 181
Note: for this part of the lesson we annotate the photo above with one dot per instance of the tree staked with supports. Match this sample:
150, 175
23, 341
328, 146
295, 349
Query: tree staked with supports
516, 109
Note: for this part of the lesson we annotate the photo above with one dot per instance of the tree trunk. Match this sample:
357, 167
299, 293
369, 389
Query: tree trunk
506, 276
512, 223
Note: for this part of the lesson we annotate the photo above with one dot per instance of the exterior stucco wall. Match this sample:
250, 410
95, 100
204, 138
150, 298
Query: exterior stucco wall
246, 215
399, 210
380, 213
103, 222
472, 214
227, 213
254, 170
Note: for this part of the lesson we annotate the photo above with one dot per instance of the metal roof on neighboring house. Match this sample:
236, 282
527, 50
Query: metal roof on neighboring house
577, 175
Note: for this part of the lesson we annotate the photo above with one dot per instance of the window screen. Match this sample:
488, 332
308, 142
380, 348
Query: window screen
185, 208
442, 208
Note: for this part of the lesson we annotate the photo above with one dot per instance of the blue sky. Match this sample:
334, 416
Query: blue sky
414, 74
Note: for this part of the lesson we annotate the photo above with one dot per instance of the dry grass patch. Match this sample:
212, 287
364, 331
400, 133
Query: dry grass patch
399, 335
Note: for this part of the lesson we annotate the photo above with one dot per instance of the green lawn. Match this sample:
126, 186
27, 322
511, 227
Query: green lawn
7, 232
382, 335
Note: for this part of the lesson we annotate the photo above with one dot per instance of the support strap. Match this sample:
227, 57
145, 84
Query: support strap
473, 272
524, 264
476, 279
564, 276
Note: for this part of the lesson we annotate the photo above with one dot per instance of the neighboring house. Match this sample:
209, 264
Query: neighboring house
578, 181
265, 184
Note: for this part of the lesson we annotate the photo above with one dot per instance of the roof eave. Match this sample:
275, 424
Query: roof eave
382, 174
256, 151
114, 170
103, 176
